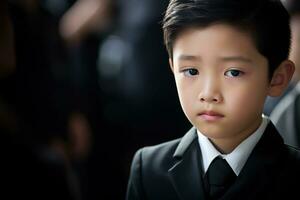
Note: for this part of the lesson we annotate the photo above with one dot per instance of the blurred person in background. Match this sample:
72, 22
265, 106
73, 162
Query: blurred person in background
140, 97
83, 27
8, 116
29, 168
135, 89
7, 73
286, 115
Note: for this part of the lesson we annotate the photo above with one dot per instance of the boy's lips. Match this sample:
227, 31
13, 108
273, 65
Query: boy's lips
210, 115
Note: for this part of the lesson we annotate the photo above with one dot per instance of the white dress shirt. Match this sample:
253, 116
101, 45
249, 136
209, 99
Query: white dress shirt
238, 157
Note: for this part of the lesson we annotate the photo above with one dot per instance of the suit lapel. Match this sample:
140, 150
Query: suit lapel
256, 178
185, 174
261, 169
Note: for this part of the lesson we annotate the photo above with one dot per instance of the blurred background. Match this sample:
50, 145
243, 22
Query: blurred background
84, 84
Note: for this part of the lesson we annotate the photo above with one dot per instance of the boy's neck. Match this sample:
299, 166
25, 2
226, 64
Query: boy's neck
227, 145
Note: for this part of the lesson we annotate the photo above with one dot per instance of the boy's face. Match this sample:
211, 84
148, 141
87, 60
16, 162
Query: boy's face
222, 81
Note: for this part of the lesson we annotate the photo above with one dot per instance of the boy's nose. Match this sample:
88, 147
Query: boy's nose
209, 99
210, 94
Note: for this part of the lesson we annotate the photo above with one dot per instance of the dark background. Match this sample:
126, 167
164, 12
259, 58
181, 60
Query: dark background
84, 85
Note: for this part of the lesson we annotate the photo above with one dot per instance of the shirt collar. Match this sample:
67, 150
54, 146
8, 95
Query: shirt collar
238, 157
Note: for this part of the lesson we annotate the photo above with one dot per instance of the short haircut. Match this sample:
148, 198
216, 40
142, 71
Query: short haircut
267, 21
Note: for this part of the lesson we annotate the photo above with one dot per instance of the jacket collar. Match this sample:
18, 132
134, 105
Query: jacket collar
185, 142
185, 174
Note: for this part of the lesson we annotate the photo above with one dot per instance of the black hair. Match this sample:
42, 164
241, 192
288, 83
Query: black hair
266, 20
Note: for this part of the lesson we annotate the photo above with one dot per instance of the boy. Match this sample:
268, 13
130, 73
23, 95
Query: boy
227, 56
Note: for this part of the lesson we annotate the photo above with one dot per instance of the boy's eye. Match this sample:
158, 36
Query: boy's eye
190, 72
233, 73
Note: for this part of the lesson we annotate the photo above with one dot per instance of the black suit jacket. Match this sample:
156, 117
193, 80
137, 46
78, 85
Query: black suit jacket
172, 171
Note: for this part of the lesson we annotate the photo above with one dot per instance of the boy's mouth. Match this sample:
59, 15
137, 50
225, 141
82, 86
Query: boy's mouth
210, 115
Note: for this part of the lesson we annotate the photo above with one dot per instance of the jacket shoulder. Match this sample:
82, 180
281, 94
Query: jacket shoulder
150, 166
159, 156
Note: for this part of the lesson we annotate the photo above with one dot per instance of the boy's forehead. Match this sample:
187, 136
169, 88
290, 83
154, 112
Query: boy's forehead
220, 42
218, 29
221, 34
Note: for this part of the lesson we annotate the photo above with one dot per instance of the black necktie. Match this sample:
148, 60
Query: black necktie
218, 178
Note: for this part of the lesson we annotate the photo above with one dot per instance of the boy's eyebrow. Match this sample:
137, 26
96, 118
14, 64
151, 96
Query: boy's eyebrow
189, 57
236, 59
225, 58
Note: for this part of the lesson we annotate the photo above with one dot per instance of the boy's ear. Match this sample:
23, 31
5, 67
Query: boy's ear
171, 64
281, 78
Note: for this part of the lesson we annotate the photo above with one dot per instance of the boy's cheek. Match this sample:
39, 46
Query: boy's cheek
248, 103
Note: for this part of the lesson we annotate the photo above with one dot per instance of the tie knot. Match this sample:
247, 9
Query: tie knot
220, 173
219, 177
